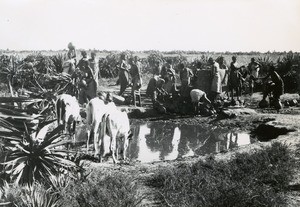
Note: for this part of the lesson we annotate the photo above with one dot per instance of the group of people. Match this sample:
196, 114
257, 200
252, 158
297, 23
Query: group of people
163, 85
86, 71
221, 80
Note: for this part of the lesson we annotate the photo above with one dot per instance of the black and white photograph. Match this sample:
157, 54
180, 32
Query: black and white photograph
150, 103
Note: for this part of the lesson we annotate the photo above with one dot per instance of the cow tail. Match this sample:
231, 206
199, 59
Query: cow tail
104, 125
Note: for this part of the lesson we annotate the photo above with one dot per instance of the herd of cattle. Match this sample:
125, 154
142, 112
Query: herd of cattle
106, 125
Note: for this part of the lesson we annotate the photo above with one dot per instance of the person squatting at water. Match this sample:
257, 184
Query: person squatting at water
201, 104
155, 89
163, 101
274, 87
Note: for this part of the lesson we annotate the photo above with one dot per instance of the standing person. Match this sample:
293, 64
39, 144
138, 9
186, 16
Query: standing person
72, 52
235, 79
167, 66
157, 68
123, 74
185, 77
253, 70
216, 84
223, 72
136, 79
88, 87
93, 63
69, 65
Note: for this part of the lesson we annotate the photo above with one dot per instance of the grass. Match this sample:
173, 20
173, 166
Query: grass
112, 190
115, 190
246, 180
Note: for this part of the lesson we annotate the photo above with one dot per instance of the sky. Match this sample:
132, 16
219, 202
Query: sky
165, 25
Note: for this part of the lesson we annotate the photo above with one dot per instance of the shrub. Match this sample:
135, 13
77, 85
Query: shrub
111, 190
30, 196
247, 180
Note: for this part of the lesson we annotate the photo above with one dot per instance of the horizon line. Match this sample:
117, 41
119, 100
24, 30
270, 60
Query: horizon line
146, 51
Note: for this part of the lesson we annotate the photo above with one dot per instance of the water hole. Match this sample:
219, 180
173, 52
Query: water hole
159, 141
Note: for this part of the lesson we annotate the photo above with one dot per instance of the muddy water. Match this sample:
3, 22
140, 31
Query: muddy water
157, 141
153, 141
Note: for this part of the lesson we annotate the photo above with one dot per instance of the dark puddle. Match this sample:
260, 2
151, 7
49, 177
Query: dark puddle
157, 141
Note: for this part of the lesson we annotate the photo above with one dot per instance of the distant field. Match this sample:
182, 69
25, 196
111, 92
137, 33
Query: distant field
243, 59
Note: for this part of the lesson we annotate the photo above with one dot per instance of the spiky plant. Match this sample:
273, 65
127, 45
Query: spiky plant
30, 147
288, 68
36, 195
58, 62
265, 62
33, 157
44, 64
8, 71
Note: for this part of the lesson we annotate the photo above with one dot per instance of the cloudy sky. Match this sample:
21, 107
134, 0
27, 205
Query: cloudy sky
203, 25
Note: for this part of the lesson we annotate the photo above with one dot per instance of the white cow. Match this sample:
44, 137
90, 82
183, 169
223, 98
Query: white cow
95, 109
68, 113
117, 127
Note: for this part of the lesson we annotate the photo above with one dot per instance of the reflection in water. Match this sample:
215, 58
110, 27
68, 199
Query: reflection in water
175, 143
154, 141
145, 154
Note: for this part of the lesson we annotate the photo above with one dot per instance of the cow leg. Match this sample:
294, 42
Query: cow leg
125, 146
113, 142
90, 135
114, 149
100, 142
96, 139
117, 149
88, 140
102, 133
